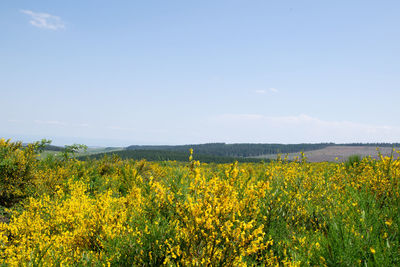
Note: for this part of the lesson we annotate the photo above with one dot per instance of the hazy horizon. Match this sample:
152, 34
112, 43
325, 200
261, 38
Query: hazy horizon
107, 73
63, 141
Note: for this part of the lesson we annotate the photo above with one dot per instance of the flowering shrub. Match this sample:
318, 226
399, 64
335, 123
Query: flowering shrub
16, 169
114, 212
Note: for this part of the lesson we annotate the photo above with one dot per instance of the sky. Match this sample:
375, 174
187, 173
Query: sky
117, 73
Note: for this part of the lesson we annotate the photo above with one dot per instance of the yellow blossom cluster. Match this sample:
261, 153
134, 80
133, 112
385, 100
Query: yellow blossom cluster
120, 212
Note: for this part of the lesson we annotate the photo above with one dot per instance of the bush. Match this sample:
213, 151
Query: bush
16, 169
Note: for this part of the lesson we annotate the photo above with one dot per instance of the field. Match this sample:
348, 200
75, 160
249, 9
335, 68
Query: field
109, 211
337, 153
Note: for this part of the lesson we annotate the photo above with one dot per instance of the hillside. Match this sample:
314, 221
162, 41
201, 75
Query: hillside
337, 152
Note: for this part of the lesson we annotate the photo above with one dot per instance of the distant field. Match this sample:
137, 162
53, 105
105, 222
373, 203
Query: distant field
330, 153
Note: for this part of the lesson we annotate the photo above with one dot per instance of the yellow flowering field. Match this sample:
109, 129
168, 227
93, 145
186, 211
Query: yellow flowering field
61, 211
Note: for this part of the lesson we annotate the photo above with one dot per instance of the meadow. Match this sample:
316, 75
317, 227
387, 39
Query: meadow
114, 212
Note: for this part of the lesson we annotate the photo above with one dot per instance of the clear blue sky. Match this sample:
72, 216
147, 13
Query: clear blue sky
177, 72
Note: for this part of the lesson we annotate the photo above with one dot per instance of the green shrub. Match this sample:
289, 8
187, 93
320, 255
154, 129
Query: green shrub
16, 169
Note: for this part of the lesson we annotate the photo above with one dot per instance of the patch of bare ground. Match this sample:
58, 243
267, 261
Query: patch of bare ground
338, 153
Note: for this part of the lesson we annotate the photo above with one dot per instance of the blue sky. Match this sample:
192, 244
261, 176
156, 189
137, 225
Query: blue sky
178, 72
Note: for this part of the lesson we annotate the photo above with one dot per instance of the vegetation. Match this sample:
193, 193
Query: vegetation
125, 212
236, 150
53, 148
353, 161
251, 150
163, 155
213, 152
394, 145
16, 169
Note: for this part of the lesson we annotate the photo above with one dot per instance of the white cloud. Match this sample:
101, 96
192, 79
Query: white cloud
44, 20
299, 128
60, 123
263, 91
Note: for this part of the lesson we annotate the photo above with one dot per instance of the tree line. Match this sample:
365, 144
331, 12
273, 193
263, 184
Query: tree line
236, 150
164, 155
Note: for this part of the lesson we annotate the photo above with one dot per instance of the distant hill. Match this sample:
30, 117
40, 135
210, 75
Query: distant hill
53, 148
225, 153
235, 150
162, 155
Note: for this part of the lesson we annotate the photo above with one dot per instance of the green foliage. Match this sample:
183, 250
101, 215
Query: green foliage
53, 148
353, 161
164, 155
235, 150
71, 150
16, 169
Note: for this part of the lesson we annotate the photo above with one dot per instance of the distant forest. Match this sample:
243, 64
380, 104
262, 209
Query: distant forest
236, 150
163, 155
214, 152
250, 150
53, 148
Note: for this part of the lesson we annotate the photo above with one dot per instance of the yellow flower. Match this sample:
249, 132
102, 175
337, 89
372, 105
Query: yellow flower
389, 222
191, 154
372, 250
